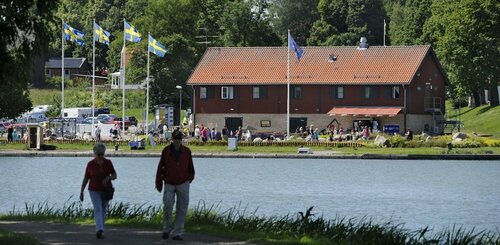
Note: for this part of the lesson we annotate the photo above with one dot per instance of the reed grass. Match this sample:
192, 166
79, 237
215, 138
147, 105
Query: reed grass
238, 223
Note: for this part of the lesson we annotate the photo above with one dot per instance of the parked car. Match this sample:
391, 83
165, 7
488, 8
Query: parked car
106, 118
133, 121
118, 121
102, 110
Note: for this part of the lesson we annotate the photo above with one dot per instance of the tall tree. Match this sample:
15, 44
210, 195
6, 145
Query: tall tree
343, 22
246, 23
407, 21
174, 24
20, 31
466, 38
295, 15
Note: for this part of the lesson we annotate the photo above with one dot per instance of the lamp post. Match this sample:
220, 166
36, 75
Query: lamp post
179, 87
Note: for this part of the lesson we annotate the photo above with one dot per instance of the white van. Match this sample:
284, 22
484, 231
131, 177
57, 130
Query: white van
77, 112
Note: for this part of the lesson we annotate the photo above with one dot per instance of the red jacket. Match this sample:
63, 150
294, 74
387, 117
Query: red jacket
96, 173
174, 171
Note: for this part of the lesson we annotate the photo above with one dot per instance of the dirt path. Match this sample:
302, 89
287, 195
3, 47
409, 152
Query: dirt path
48, 233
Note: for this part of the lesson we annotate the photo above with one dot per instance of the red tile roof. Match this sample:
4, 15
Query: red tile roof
268, 65
364, 111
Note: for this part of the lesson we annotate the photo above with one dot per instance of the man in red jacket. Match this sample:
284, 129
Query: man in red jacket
175, 172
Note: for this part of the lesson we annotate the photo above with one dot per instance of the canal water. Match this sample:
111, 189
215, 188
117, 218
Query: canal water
416, 193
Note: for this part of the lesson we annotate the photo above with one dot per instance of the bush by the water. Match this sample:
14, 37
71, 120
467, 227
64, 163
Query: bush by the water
294, 228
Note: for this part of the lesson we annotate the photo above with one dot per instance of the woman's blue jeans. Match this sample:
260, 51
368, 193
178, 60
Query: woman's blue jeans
100, 209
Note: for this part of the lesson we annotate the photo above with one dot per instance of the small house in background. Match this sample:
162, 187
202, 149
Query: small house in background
382, 87
75, 69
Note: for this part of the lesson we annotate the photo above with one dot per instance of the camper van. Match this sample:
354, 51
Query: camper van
77, 112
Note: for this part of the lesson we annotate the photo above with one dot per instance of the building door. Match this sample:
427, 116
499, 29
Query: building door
232, 123
33, 137
297, 122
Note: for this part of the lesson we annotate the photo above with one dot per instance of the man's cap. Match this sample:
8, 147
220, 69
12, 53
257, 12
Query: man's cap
177, 135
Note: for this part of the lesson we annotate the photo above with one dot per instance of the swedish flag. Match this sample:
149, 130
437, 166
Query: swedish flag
73, 35
156, 47
100, 35
131, 34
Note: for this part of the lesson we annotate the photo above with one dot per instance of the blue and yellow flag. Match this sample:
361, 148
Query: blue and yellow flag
100, 35
131, 34
156, 47
292, 45
73, 35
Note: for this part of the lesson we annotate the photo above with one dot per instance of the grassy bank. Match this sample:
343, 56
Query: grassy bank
481, 120
277, 149
301, 228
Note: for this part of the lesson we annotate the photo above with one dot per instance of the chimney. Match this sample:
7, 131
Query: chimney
362, 43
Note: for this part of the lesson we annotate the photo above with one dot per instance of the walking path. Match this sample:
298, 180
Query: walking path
49, 233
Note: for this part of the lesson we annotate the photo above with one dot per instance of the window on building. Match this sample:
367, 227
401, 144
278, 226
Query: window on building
47, 72
395, 92
297, 92
203, 92
227, 93
337, 92
370, 92
259, 92
206, 93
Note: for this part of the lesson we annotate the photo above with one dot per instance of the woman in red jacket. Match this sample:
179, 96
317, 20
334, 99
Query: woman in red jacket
175, 172
100, 172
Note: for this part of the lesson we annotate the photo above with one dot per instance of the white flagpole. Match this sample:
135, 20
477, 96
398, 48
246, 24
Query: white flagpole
384, 32
288, 90
93, 79
147, 89
123, 81
62, 69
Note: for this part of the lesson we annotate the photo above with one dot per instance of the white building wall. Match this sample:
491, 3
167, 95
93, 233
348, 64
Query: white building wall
278, 121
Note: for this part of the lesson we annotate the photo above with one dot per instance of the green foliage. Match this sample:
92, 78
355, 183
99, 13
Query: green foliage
295, 15
237, 223
464, 34
344, 22
407, 21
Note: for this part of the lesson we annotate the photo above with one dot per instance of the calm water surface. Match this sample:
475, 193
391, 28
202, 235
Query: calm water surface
438, 194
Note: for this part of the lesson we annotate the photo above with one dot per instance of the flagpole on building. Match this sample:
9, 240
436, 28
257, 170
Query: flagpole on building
147, 88
123, 81
288, 90
62, 69
93, 79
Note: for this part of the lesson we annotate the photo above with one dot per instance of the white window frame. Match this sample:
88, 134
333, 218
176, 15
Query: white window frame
297, 92
256, 92
227, 93
203, 92
340, 92
367, 92
395, 92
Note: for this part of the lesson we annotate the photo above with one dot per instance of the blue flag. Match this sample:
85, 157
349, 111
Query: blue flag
73, 35
100, 35
156, 47
292, 45
131, 34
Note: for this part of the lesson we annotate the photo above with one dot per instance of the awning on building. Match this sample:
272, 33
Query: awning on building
367, 111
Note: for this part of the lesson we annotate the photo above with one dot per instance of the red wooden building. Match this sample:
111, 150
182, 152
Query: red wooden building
352, 86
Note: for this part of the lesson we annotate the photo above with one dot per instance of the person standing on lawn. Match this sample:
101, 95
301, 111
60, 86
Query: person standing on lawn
175, 173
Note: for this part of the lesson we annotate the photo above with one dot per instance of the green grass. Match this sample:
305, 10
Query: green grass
301, 228
275, 149
9, 238
481, 120
44, 96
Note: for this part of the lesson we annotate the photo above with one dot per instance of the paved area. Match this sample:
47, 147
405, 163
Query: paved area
48, 233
